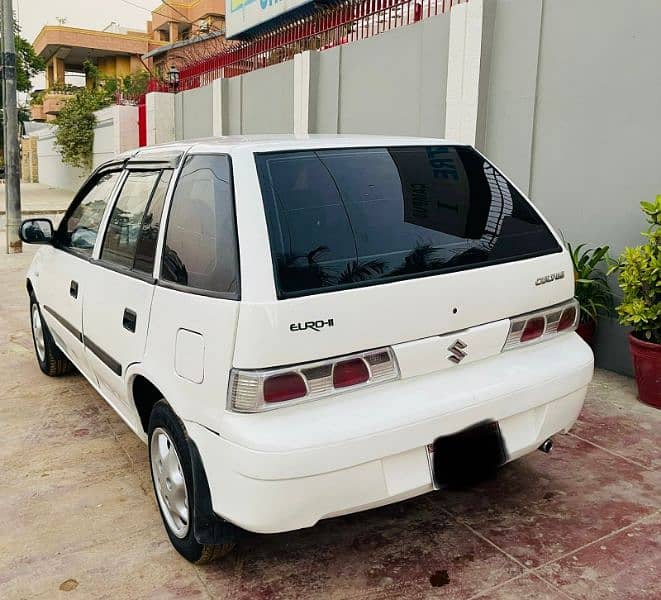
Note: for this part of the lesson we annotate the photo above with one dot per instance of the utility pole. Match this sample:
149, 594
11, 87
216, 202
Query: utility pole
12, 153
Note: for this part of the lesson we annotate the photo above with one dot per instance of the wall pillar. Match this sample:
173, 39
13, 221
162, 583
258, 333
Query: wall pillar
160, 118
29, 160
324, 115
54, 72
125, 129
49, 75
464, 58
302, 93
58, 70
220, 107
174, 32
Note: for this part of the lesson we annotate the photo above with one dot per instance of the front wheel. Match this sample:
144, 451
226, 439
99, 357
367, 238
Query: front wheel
171, 470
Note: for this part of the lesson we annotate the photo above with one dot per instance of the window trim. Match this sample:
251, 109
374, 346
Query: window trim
167, 209
98, 260
288, 295
173, 173
89, 183
122, 270
160, 242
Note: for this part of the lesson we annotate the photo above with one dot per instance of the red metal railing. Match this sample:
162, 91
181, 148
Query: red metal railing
324, 29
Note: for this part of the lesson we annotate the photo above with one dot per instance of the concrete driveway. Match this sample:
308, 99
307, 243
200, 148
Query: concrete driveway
78, 518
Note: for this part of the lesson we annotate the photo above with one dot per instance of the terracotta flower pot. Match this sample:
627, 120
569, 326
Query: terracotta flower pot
586, 330
647, 366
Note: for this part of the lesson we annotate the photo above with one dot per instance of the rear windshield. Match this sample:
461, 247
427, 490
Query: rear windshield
352, 217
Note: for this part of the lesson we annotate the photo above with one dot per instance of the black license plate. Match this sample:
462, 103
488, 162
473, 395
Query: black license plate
468, 456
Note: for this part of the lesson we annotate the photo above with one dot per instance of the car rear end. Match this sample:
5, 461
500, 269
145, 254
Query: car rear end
395, 294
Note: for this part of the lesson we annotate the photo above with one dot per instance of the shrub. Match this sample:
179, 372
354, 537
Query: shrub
639, 271
37, 97
591, 286
74, 136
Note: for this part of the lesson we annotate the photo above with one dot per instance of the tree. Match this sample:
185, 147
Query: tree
28, 64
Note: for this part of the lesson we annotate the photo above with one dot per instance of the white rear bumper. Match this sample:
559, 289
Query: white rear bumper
289, 468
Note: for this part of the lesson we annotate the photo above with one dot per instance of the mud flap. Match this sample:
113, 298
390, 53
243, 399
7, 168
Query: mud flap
208, 527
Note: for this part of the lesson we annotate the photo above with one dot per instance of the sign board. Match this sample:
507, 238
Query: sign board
245, 15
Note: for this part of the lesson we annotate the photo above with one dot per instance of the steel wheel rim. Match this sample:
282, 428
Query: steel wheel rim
38, 333
169, 482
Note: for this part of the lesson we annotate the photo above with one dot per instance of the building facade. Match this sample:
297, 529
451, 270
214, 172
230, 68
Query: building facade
185, 29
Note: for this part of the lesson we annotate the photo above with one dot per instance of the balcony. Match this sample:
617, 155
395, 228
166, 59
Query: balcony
53, 103
37, 112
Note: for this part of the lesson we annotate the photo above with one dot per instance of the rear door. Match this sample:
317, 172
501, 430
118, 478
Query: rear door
196, 301
121, 281
64, 276
380, 246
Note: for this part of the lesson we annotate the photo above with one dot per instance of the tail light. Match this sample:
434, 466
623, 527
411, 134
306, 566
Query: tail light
261, 390
542, 324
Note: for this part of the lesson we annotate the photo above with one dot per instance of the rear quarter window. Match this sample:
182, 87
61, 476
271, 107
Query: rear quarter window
352, 217
201, 251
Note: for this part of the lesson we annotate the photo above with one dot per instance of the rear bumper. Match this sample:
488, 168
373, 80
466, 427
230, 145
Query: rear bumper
288, 469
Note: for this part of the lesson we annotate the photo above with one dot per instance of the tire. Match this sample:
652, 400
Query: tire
51, 359
166, 434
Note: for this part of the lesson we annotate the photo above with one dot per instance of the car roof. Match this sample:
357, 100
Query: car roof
272, 143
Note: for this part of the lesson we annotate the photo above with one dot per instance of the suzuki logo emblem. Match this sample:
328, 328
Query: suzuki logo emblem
457, 353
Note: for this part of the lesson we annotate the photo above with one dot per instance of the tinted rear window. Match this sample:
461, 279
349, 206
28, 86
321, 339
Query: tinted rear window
351, 217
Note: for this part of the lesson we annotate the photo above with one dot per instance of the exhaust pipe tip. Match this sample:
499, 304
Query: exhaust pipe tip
546, 446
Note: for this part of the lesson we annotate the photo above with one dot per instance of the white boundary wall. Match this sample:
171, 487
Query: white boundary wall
563, 96
116, 131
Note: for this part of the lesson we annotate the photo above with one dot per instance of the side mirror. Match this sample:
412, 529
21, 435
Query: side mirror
36, 231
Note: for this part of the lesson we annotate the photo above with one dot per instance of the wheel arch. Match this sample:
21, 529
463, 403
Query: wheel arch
144, 394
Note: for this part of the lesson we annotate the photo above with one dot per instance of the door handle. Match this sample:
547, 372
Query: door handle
130, 319
73, 289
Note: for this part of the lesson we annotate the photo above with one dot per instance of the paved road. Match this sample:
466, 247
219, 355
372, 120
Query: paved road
77, 511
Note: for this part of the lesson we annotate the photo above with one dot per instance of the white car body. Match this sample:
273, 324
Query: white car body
286, 469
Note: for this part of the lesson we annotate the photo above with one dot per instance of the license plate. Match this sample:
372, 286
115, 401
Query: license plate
467, 456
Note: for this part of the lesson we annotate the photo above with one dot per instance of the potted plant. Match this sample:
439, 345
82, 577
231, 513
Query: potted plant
639, 272
591, 288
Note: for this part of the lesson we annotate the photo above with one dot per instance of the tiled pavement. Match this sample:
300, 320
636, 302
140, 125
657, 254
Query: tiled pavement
78, 518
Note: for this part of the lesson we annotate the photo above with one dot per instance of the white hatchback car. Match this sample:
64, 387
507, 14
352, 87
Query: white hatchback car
302, 328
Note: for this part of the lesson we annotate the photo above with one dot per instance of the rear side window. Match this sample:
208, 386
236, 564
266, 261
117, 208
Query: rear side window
200, 250
360, 216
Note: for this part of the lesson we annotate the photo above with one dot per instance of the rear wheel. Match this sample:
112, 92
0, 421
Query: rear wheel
171, 470
50, 358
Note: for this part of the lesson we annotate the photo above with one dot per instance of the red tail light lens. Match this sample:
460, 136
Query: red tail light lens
281, 388
534, 328
567, 319
350, 372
